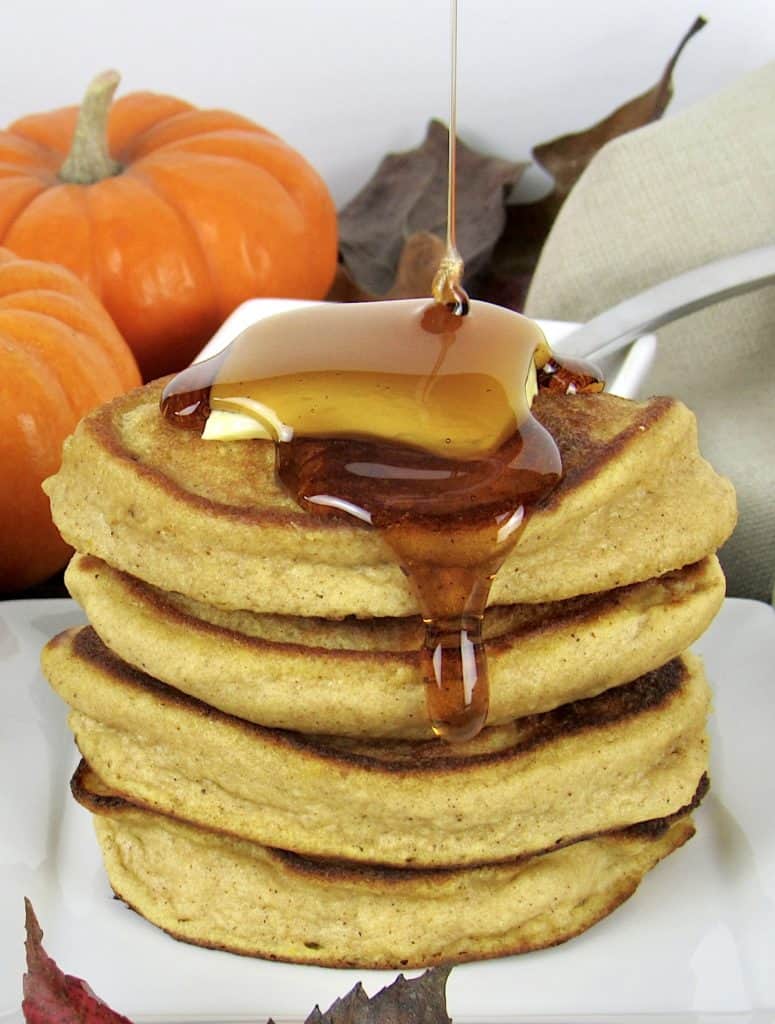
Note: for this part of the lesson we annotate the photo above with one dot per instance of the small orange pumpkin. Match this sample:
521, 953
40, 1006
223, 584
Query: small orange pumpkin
172, 215
60, 355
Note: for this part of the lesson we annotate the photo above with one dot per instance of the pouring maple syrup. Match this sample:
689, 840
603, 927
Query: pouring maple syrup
414, 417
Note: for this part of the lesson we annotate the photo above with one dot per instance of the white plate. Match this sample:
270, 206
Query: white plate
695, 944
624, 371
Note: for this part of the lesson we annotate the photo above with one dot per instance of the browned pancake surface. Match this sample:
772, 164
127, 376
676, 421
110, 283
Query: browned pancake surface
209, 520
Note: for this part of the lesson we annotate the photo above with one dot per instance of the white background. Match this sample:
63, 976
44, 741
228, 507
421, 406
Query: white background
347, 80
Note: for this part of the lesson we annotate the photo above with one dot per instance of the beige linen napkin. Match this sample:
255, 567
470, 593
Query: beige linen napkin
652, 204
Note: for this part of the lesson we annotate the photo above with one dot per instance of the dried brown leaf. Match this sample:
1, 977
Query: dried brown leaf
408, 195
417, 1001
565, 158
344, 289
420, 258
417, 265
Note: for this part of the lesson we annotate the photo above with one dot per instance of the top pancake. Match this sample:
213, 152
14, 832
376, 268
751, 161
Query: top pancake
208, 519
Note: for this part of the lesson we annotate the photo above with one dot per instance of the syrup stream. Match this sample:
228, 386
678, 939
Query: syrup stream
447, 287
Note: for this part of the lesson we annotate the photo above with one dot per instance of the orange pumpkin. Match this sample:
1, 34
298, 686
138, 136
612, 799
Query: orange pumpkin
60, 355
172, 215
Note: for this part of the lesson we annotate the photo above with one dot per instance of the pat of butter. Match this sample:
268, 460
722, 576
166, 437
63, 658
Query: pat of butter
233, 426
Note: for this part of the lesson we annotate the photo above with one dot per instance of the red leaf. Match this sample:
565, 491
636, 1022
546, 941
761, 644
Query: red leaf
52, 997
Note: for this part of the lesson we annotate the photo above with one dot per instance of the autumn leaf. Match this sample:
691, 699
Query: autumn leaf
52, 997
527, 224
565, 158
417, 1001
417, 265
391, 232
408, 195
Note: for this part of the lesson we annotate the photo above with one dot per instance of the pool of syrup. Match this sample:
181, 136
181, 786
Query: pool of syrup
414, 418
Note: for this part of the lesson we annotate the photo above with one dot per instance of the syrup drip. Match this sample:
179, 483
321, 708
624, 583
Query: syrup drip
569, 376
415, 419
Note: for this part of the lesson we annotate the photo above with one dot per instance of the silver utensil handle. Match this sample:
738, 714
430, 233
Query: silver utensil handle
671, 300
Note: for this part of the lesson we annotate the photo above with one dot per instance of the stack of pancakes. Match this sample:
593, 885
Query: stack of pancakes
249, 704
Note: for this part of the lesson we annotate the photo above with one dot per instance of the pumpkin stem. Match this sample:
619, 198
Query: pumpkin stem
89, 160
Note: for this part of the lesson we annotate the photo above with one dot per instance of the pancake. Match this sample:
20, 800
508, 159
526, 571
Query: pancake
209, 520
227, 893
363, 677
631, 754
250, 707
